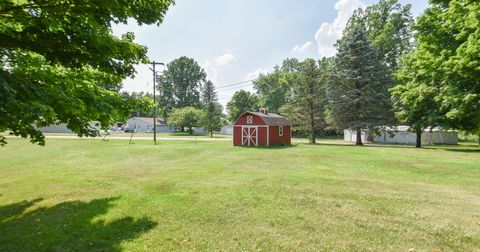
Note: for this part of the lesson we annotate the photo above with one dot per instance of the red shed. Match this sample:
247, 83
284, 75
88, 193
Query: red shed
261, 129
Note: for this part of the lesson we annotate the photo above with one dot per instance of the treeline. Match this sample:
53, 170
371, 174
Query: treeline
388, 70
186, 98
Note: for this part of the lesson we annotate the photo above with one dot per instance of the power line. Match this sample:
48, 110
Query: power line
230, 89
235, 84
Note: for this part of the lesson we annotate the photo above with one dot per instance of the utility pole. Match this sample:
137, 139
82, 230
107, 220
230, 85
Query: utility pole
154, 101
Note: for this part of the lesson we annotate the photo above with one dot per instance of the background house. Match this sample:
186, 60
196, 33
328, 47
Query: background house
401, 135
145, 125
62, 128
227, 130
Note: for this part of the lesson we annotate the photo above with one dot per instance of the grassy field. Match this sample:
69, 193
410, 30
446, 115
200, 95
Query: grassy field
95, 196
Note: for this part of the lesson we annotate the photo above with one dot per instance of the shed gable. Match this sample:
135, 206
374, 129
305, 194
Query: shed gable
249, 119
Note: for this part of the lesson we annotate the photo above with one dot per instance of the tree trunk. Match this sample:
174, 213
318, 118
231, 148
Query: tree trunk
312, 136
211, 133
478, 139
419, 140
190, 131
182, 128
359, 137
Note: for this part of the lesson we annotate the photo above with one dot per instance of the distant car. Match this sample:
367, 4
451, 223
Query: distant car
127, 130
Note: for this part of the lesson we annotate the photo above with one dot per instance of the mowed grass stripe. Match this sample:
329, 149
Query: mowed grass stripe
95, 195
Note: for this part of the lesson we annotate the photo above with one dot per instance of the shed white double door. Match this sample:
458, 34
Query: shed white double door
249, 135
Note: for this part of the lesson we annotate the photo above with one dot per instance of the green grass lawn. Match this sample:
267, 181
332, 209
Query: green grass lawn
160, 135
88, 195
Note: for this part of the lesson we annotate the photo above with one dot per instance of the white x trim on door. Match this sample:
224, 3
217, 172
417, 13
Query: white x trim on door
249, 135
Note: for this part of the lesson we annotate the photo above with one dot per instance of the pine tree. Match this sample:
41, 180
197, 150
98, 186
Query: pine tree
208, 93
212, 120
358, 88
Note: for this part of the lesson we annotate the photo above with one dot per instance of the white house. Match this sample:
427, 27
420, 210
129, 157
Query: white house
227, 130
145, 125
62, 128
401, 135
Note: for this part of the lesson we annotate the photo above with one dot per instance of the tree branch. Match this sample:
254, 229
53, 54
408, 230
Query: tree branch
29, 6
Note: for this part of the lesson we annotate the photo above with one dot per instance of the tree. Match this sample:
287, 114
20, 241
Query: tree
186, 117
141, 112
308, 100
58, 58
414, 100
273, 88
358, 88
208, 93
446, 60
212, 120
388, 26
241, 102
290, 65
181, 84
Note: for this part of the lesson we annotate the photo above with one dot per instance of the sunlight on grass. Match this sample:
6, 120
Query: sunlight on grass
94, 195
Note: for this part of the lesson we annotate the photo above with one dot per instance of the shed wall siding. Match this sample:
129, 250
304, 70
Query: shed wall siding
237, 136
276, 139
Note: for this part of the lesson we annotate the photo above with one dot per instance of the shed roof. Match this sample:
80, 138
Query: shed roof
404, 128
270, 119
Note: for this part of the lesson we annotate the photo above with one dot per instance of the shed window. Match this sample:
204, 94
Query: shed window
249, 119
280, 130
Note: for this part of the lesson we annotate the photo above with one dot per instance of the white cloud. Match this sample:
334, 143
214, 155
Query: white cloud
256, 73
302, 48
213, 66
225, 59
329, 32
212, 73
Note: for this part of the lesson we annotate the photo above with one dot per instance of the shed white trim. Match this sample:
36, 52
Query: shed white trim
268, 136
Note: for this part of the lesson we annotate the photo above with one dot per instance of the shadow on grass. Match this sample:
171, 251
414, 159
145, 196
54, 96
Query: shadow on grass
328, 144
67, 226
465, 150
276, 147
457, 148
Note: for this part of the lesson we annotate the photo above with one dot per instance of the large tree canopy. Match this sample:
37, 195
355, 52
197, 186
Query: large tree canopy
181, 84
388, 26
448, 54
59, 61
439, 82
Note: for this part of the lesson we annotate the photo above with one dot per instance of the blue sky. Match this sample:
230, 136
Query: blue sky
234, 41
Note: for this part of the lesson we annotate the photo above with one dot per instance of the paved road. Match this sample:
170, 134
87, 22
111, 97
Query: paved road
174, 139
137, 138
